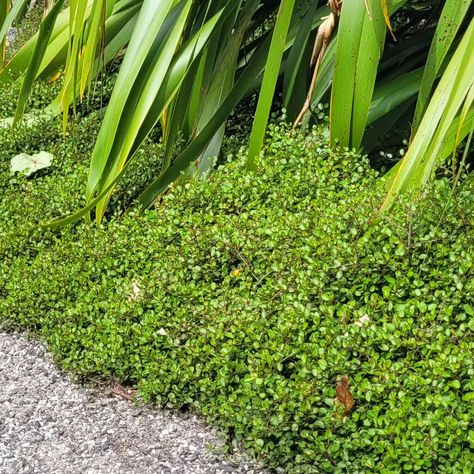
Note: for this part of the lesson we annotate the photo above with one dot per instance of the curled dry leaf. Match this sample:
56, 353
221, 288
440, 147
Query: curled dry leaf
122, 392
344, 396
363, 321
136, 293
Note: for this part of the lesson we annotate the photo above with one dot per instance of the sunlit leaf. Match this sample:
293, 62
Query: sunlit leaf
29, 164
270, 78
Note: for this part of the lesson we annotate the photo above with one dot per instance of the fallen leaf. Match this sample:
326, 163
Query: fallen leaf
122, 392
136, 293
364, 320
344, 396
29, 164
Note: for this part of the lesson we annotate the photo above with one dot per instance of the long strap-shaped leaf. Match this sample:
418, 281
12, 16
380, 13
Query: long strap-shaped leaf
77, 24
327, 67
162, 73
119, 28
453, 88
456, 133
95, 35
389, 95
199, 143
360, 42
390, 102
44, 35
4, 7
148, 25
6, 20
452, 17
272, 70
144, 93
297, 67
222, 82
55, 55
176, 73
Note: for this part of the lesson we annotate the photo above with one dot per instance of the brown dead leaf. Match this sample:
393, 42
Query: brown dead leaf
364, 320
136, 292
122, 392
344, 396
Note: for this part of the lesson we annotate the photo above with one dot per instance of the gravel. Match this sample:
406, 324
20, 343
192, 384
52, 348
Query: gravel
48, 424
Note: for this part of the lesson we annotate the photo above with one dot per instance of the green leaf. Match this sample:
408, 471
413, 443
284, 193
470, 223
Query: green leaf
160, 90
6, 21
387, 96
44, 35
55, 54
143, 70
297, 67
222, 82
199, 143
455, 84
272, 70
4, 7
360, 42
452, 17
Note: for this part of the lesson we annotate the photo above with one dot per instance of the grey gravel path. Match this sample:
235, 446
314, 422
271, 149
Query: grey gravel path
48, 424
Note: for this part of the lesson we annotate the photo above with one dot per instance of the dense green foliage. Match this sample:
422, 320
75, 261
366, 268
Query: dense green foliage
246, 297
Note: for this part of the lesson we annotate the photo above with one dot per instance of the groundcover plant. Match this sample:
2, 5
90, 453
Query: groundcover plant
250, 298
273, 297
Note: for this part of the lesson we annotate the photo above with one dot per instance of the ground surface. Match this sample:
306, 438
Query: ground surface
48, 424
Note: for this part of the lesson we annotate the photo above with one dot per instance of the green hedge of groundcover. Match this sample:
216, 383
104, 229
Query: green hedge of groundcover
246, 298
